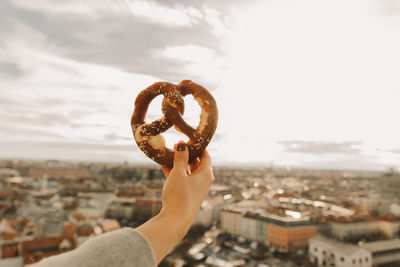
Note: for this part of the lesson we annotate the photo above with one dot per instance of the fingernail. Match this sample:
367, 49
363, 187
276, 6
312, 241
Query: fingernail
181, 146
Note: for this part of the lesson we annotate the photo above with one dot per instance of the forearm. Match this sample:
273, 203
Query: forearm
165, 230
183, 194
120, 248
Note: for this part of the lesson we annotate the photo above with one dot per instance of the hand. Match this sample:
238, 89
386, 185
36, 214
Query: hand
183, 192
187, 184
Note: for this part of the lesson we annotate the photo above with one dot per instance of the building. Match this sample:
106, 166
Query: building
231, 219
329, 252
391, 229
12, 262
231, 216
130, 208
120, 209
110, 225
286, 234
384, 252
6, 230
210, 211
7, 172
35, 250
343, 230
248, 226
255, 227
9, 249
205, 215
58, 172
146, 208
282, 233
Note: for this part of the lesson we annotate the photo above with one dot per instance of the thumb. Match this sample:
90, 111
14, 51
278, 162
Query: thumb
181, 157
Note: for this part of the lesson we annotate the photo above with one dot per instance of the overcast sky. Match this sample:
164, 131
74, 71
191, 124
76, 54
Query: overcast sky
298, 83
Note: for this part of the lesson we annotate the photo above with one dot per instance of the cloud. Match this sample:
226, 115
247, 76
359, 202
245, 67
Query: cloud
69, 151
10, 70
73, 60
57, 106
117, 39
18, 132
37, 119
70, 71
394, 151
221, 5
390, 7
311, 147
186, 53
151, 11
345, 163
113, 136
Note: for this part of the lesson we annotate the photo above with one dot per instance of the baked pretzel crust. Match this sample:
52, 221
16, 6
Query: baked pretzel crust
148, 136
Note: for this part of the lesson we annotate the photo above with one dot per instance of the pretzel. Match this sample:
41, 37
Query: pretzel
148, 135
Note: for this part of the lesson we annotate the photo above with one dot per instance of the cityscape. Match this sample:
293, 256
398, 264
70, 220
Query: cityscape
305, 153
259, 216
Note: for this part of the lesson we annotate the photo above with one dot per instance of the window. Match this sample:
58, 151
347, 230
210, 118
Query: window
315, 249
324, 252
341, 259
354, 261
360, 260
366, 259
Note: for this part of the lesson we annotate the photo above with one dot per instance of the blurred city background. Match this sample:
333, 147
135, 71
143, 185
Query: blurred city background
307, 150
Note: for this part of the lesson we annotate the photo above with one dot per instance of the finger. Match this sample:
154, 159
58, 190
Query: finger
194, 165
166, 171
181, 157
205, 162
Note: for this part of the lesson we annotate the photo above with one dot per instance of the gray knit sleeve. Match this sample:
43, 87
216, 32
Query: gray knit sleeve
125, 247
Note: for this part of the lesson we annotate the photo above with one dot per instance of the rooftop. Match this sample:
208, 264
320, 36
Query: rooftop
383, 245
345, 248
279, 220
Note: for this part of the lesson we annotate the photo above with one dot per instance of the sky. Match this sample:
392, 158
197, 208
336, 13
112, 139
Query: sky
308, 83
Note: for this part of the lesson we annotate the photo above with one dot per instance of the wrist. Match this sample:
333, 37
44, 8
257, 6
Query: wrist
180, 220
164, 231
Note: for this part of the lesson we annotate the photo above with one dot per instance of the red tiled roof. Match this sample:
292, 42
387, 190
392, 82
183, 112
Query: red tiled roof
69, 230
35, 250
390, 217
79, 216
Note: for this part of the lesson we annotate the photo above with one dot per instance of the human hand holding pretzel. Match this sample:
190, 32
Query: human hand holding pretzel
148, 136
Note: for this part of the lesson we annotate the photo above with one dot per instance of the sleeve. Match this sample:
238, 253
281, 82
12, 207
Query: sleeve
124, 247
